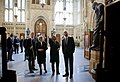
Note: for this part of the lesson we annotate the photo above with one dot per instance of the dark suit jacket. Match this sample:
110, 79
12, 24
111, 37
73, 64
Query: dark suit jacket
54, 53
69, 48
29, 50
9, 42
50, 43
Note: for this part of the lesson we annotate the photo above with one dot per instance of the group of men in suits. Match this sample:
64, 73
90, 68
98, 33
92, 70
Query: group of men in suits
68, 48
30, 55
36, 47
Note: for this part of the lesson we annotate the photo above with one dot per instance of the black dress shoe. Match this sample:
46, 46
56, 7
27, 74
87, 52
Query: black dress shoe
12, 60
45, 71
40, 72
58, 73
71, 76
31, 72
35, 69
66, 75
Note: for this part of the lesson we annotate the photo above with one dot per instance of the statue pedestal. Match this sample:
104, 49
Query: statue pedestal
94, 60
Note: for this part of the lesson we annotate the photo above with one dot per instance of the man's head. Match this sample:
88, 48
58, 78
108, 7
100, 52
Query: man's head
54, 38
65, 33
94, 5
11, 35
52, 33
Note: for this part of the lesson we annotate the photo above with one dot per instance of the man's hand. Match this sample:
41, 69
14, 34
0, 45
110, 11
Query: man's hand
58, 49
31, 47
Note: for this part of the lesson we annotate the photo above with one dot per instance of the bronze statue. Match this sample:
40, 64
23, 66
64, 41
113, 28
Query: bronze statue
99, 24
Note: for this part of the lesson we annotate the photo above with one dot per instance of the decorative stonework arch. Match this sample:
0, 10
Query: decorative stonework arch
37, 18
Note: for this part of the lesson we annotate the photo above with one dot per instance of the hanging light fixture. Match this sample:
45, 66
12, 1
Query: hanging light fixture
15, 15
64, 11
40, 23
42, 2
64, 15
15, 10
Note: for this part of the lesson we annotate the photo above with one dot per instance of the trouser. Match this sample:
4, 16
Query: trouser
40, 66
26, 54
21, 47
16, 49
57, 67
68, 62
31, 63
10, 53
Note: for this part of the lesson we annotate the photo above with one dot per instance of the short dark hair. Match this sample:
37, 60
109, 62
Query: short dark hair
11, 35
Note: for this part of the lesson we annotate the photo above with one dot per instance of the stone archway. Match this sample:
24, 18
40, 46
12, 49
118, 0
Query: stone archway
40, 27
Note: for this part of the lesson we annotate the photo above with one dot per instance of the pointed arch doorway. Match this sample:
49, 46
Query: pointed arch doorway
41, 27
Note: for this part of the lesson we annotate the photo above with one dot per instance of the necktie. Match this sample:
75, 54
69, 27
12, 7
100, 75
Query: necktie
41, 43
66, 39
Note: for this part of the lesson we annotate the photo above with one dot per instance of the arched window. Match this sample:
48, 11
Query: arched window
38, 1
9, 10
60, 14
21, 11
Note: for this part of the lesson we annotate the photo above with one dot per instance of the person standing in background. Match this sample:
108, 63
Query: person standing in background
30, 53
34, 49
21, 43
10, 47
16, 44
54, 54
25, 47
68, 48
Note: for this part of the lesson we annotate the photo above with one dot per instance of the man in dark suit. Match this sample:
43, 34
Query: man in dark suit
54, 54
21, 43
68, 48
29, 53
10, 47
33, 38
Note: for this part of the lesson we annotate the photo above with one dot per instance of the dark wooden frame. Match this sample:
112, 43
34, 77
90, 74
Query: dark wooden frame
4, 50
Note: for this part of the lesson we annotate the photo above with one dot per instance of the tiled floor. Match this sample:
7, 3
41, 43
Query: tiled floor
81, 66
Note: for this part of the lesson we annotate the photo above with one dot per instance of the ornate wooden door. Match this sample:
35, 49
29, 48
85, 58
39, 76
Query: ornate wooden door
41, 27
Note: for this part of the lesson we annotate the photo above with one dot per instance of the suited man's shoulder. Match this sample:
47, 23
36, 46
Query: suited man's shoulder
70, 37
43, 42
50, 39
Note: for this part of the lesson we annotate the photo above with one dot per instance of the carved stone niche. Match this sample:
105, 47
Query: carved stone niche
109, 1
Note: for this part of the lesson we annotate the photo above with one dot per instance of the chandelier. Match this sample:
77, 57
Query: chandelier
42, 3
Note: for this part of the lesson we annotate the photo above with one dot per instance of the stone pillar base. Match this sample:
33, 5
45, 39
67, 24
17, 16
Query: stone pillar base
94, 60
